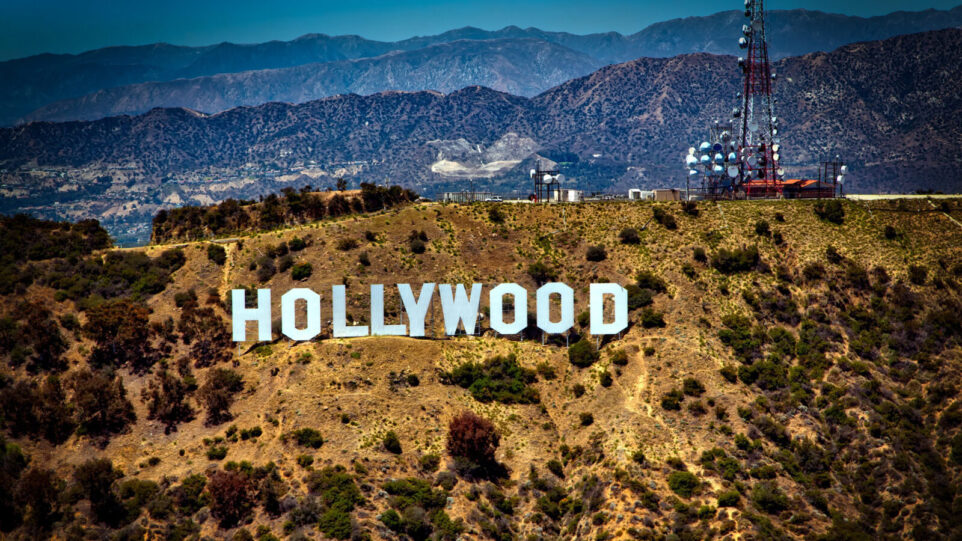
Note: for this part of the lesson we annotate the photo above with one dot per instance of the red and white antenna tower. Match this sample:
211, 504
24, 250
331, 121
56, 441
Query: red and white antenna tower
758, 140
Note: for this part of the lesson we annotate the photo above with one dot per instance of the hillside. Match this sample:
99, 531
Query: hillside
32, 84
807, 389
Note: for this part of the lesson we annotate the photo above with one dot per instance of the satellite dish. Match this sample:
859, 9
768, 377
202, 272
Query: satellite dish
692, 173
746, 29
726, 136
736, 112
532, 173
718, 169
775, 147
775, 156
691, 160
781, 172
705, 159
704, 147
716, 147
774, 131
840, 179
748, 3
732, 171
752, 161
719, 158
743, 43
691, 150
732, 156
844, 169
774, 76
560, 178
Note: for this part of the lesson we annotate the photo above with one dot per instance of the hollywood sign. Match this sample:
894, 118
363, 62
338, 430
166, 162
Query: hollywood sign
458, 306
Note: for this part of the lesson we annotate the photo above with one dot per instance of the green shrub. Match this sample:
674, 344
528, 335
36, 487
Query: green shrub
308, 437
672, 400
555, 467
629, 235
495, 215
619, 357
683, 483
769, 498
651, 319
216, 253
665, 218
586, 419
728, 498
430, 462
734, 261
918, 274
301, 271
392, 443
605, 379
692, 387
596, 253
305, 461
296, 244
216, 453
762, 228
830, 211
500, 379
583, 353
541, 273
346, 244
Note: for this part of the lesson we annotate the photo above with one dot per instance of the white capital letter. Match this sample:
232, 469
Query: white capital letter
520, 296
339, 307
240, 315
620, 294
416, 309
288, 315
567, 308
458, 307
378, 328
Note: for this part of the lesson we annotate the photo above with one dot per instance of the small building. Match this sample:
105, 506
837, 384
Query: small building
667, 194
567, 195
634, 194
797, 188
466, 197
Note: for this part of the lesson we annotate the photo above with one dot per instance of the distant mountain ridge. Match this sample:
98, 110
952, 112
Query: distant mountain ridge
521, 66
33, 83
891, 108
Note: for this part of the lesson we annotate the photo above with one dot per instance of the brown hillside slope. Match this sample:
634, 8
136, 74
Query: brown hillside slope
872, 420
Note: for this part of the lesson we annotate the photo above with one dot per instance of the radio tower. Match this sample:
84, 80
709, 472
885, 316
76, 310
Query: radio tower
758, 140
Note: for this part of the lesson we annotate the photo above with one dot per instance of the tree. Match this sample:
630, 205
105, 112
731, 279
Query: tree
218, 392
206, 333
121, 329
341, 184
166, 398
231, 497
102, 408
473, 438
95, 479
38, 491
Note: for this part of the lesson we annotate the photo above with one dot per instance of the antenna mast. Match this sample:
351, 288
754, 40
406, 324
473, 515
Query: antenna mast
758, 138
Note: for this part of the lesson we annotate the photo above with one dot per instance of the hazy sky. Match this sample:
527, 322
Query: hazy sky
64, 26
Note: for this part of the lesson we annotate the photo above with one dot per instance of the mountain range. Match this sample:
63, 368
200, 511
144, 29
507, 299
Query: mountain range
133, 80
892, 108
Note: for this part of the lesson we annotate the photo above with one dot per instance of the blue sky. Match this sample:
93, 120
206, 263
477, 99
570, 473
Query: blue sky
61, 26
